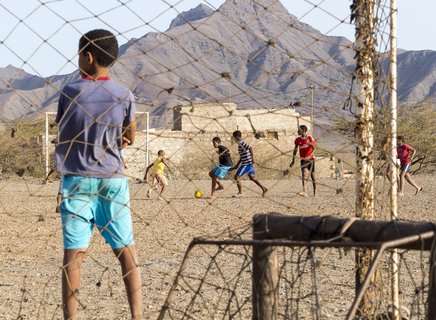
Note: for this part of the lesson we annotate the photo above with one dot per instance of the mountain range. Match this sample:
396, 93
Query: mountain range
253, 53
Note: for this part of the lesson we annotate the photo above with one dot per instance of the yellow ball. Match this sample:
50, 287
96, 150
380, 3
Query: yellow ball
198, 194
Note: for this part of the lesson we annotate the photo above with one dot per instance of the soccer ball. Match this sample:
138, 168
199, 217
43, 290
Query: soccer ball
198, 194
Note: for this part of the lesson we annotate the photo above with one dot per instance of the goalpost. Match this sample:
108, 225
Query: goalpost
143, 127
273, 230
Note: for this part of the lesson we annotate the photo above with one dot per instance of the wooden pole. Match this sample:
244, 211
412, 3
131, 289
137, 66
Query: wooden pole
432, 284
363, 13
265, 285
332, 229
393, 154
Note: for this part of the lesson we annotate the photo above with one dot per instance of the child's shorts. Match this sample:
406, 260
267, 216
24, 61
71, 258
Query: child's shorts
221, 171
243, 170
406, 167
308, 164
159, 180
100, 202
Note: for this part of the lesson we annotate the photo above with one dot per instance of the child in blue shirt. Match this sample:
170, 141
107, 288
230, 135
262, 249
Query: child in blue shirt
95, 115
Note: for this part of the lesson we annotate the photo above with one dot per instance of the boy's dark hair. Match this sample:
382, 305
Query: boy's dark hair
102, 44
237, 134
216, 139
303, 128
160, 152
401, 138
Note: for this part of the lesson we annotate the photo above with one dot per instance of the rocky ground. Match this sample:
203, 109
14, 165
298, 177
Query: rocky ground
31, 258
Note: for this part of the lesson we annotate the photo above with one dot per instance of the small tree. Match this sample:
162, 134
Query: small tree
416, 122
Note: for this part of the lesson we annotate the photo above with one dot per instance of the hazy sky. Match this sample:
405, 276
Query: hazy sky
41, 36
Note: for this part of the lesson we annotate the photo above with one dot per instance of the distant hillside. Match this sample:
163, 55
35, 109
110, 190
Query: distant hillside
242, 53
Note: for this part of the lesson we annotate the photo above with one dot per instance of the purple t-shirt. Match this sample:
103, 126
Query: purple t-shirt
91, 115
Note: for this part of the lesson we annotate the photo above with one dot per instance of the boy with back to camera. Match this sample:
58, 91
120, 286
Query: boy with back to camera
220, 171
246, 160
306, 145
94, 114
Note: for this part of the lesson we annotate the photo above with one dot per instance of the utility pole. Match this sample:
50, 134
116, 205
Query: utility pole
311, 106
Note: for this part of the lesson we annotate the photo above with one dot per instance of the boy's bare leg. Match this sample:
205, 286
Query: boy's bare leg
132, 279
214, 183
162, 191
238, 184
73, 259
401, 183
254, 179
304, 178
220, 186
413, 183
312, 175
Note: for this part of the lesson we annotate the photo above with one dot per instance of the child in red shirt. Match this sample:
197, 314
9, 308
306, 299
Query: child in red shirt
405, 154
306, 144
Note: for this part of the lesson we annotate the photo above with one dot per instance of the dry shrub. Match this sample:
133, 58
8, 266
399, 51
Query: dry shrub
416, 123
20, 152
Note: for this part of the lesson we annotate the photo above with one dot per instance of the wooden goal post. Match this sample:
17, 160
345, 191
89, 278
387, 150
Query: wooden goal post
272, 230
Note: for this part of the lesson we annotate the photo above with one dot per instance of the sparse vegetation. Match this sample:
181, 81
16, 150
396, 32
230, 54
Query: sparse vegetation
20, 151
416, 122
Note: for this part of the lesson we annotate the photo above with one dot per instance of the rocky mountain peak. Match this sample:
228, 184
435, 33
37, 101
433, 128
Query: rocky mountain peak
199, 12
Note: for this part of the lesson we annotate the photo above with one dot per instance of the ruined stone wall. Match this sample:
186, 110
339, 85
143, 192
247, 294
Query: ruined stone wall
227, 118
193, 155
189, 147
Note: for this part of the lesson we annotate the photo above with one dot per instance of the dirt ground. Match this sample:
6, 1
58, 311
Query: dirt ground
31, 239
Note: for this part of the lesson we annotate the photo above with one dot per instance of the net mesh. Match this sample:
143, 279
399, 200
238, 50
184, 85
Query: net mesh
254, 66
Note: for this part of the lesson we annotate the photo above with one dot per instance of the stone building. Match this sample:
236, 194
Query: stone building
187, 144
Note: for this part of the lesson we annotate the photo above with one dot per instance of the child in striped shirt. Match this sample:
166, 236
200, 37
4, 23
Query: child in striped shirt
245, 164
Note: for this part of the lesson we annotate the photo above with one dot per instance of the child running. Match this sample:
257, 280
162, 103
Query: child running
246, 160
405, 154
158, 174
220, 171
306, 144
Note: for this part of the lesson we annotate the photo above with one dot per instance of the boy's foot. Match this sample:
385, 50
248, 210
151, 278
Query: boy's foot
400, 194
418, 190
58, 209
303, 194
212, 197
238, 195
265, 190
219, 188
149, 194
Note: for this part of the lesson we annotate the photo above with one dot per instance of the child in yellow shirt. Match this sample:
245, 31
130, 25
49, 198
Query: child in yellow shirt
158, 174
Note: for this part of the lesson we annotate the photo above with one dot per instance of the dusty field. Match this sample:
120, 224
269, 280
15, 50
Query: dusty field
31, 241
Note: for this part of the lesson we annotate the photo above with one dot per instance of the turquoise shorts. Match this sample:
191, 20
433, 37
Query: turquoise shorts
221, 171
103, 203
